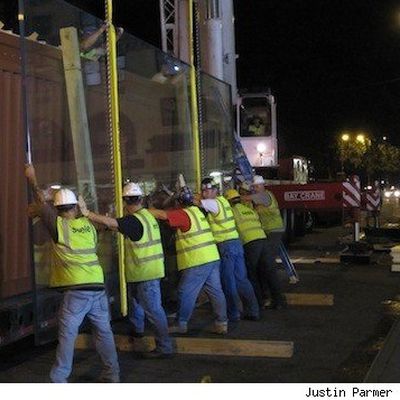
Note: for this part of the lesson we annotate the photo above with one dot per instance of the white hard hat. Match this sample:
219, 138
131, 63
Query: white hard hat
258, 180
64, 197
132, 189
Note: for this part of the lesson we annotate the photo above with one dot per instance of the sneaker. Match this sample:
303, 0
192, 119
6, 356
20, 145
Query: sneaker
220, 329
156, 354
177, 329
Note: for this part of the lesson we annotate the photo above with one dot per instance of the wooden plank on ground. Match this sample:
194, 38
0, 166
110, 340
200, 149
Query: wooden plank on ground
201, 346
395, 268
309, 299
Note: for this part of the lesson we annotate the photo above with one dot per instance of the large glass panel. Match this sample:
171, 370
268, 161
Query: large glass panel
68, 125
216, 115
156, 140
156, 131
68, 122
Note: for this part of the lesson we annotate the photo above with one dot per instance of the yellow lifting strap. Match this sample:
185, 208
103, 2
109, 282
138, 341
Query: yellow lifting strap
113, 109
193, 101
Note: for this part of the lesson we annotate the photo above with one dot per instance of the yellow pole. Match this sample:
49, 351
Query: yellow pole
193, 102
113, 102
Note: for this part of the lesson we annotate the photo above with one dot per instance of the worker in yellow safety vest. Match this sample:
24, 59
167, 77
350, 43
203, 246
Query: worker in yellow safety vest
253, 237
76, 271
198, 261
235, 283
267, 209
144, 264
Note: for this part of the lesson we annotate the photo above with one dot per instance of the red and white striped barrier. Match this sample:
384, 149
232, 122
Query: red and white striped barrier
372, 199
352, 192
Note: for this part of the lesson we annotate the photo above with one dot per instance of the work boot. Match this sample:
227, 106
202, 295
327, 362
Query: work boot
220, 329
178, 329
105, 378
156, 354
278, 304
136, 335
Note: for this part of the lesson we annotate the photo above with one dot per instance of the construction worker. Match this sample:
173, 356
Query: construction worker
256, 250
234, 280
257, 127
76, 271
198, 260
271, 221
144, 263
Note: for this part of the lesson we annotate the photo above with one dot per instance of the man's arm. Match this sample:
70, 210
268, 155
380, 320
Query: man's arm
47, 213
158, 214
209, 205
88, 42
109, 222
30, 173
262, 198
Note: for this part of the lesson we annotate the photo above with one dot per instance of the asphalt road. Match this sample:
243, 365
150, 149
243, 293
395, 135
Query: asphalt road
331, 343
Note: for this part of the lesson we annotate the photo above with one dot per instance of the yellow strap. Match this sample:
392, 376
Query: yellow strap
193, 102
114, 126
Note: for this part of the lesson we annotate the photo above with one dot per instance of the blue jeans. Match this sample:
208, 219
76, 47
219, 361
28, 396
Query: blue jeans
234, 281
145, 300
192, 281
75, 306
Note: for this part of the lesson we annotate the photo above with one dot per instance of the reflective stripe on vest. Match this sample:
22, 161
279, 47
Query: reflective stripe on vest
145, 258
223, 224
248, 223
270, 216
196, 246
75, 261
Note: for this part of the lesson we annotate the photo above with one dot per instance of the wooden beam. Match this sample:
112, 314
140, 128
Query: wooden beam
78, 114
309, 299
202, 346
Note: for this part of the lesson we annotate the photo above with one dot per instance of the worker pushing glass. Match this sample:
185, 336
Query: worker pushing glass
76, 271
144, 266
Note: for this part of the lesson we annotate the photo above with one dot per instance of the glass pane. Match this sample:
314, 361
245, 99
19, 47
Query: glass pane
217, 127
156, 131
68, 124
155, 122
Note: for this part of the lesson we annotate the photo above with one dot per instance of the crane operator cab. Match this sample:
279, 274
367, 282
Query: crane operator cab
256, 126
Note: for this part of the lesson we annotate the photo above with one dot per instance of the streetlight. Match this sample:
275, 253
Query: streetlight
360, 138
344, 138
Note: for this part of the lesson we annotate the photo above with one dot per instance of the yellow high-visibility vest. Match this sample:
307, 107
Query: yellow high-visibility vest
270, 216
144, 259
248, 223
196, 246
223, 224
75, 261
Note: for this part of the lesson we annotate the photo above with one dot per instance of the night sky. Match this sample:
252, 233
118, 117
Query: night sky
332, 64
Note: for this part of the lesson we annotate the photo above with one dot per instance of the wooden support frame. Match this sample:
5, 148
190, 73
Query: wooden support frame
309, 299
78, 114
201, 346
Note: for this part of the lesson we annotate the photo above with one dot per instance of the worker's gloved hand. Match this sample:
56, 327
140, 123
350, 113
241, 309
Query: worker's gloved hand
30, 172
166, 190
82, 205
197, 199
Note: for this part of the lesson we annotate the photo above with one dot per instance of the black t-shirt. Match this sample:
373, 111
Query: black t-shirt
130, 226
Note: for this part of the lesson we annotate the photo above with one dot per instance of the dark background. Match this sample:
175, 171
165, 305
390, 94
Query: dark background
332, 64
